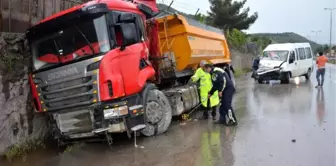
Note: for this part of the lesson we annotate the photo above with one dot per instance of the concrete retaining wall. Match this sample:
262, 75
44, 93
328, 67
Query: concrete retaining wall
241, 60
17, 120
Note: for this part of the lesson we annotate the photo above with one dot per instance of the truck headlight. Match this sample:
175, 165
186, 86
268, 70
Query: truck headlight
115, 112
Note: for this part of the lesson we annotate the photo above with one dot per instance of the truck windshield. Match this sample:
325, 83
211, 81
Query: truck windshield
80, 39
275, 55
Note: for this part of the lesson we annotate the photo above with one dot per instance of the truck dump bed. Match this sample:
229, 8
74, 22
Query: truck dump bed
188, 42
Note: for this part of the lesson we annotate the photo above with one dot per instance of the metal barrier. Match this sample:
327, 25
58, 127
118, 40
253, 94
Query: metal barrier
332, 69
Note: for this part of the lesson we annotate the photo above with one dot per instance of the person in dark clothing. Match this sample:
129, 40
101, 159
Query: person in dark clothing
223, 84
255, 66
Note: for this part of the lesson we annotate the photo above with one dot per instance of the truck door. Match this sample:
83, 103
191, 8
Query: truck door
131, 51
293, 64
299, 61
302, 61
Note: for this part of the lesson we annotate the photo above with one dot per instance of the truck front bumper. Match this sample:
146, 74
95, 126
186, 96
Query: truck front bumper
102, 119
270, 75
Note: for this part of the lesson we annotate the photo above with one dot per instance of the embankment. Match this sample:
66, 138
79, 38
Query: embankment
18, 123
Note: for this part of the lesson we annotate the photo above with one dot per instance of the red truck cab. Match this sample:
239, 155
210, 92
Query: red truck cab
91, 68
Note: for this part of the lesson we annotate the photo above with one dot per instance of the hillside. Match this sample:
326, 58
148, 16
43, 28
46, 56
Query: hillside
287, 37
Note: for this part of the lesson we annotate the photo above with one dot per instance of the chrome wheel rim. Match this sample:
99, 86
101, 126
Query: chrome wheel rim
154, 112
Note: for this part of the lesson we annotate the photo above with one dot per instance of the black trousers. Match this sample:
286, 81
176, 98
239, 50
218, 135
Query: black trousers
226, 104
206, 109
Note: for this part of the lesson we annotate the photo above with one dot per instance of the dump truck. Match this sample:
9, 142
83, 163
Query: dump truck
117, 66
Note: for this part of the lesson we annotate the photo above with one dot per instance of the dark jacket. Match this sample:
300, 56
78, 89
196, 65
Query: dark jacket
255, 64
220, 80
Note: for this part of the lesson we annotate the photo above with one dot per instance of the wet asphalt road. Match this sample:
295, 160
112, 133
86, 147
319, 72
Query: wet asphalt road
279, 125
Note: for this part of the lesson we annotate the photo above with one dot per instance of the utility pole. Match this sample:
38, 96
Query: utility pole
171, 3
197, 11
316, 36
331, 11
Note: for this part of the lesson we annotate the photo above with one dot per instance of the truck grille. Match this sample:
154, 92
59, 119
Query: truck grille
70, 93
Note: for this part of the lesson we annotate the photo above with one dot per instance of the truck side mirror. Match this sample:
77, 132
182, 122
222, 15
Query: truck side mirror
129, 35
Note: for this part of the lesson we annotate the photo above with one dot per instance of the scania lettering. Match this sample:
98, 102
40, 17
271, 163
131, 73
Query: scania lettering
63, 73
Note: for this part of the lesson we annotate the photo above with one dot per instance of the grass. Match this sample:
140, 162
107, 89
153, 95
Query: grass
73, 147
9, 61
239, 72
21, 150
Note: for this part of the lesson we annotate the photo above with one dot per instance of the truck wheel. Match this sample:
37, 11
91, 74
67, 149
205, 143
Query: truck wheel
260, 81
307, 75
158, 113
286, 79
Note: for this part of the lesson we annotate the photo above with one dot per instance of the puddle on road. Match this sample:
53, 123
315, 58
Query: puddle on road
261, 109
189, 141
33, 158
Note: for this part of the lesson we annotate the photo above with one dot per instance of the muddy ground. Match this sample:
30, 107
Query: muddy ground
292, 125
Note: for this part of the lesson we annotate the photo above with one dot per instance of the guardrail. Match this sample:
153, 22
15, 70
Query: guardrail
331, 68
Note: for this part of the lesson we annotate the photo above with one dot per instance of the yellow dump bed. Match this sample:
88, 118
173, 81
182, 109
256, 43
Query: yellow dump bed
190, 42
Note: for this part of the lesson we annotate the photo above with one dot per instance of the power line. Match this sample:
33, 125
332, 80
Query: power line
192, 5
188, 8
187, 4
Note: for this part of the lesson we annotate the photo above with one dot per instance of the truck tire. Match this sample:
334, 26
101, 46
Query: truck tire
286, 79
158, 113
307, 75
260, 81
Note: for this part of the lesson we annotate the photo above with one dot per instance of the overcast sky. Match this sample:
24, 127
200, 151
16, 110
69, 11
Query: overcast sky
299, 16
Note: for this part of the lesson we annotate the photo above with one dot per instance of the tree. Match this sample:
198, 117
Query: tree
236, 38
324, 48
229, 14
201, 18
333, 47
261, 41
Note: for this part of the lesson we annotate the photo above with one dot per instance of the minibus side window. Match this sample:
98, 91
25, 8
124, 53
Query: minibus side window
308, 52
302, 53
297, 54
